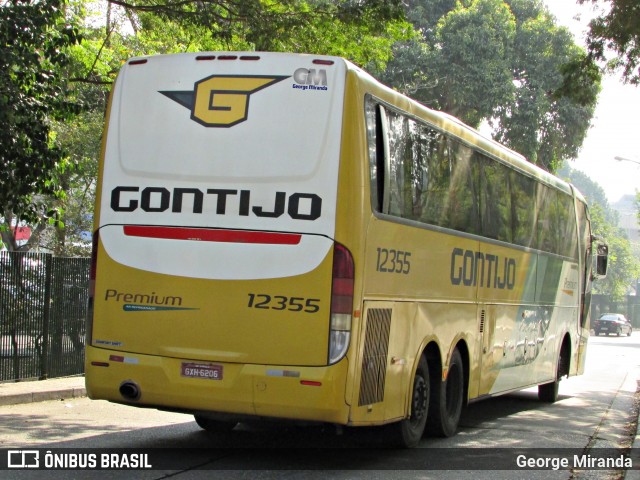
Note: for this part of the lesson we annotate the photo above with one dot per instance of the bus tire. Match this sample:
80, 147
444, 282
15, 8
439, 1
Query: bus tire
408, 432
447, 399
548, 392
214, 426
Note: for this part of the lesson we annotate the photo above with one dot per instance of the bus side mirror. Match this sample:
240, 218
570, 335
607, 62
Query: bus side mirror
602, 259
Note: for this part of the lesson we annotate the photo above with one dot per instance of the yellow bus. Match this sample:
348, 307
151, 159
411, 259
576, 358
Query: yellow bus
281, 236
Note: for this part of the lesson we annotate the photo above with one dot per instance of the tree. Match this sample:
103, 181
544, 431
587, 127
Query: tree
624, 268
617, 31
79, 137
362, 31
33, 39
462, 63
500, 61
544, 121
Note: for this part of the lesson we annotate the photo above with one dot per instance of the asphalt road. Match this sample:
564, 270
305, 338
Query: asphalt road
596, 410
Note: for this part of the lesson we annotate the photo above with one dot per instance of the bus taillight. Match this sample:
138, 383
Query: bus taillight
341, 303
92, 286
93, 265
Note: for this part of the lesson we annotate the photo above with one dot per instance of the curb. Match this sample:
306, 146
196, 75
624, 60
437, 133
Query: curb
42, 390
43, 396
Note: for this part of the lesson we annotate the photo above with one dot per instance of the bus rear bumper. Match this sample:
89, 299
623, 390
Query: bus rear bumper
294, 393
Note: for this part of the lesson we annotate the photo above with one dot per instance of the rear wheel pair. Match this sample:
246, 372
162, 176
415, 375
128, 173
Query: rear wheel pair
448, 400
435, 406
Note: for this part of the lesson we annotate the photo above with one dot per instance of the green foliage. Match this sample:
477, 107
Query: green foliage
462, 62
624, 268
471, 58
79, 139
363, 31
33, 42
502, 62
618, 31
546, 120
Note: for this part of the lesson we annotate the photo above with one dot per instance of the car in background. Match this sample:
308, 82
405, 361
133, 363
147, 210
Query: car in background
612, 323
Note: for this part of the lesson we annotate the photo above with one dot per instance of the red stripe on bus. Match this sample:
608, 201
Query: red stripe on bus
210, 235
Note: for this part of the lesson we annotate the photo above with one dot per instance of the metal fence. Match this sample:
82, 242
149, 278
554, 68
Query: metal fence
43, 304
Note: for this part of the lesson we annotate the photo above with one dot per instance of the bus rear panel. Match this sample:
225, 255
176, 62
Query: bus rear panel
215, 238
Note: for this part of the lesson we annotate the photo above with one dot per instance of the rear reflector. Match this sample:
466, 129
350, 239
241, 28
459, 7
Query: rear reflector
341, 303
92, 286
342, 285
212, 235
227, 57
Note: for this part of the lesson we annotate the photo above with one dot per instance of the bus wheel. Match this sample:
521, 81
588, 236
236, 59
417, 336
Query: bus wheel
408, 432
549, 391
447, 399
214, 426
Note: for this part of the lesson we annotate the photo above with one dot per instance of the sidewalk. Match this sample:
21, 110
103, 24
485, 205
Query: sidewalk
39, 391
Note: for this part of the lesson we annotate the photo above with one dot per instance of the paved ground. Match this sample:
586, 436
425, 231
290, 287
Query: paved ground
73, 387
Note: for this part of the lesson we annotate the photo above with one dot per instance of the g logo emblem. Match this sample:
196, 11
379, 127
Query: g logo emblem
222, 100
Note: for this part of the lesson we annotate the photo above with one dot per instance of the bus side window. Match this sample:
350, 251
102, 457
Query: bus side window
463, 209
375, 140
568, 241
523, 216
495, 203
547, 221
400, 168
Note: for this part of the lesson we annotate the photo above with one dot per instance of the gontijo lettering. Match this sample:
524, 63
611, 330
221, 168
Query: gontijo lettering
299, 206
471, 268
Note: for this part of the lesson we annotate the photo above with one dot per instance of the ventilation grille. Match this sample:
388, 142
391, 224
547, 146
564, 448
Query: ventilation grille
374, 359
482, 320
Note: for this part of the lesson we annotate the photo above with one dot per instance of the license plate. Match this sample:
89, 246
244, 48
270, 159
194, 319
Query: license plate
207, 371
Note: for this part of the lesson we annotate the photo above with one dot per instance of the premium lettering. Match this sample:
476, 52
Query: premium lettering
141, 298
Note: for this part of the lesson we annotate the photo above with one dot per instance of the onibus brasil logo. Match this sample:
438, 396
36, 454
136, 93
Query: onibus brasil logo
221, 100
